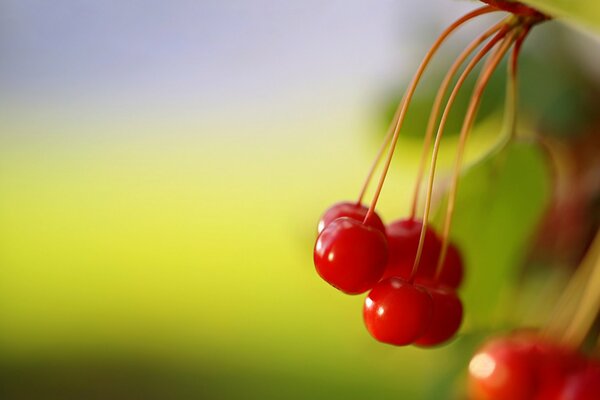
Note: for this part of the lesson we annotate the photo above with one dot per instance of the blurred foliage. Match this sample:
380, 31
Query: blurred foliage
500, 201
580, 13
127, 377
198, 248
555, 93
420, 107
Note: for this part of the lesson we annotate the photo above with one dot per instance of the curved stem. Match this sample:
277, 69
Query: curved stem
585, 314
571, 294
435, 111
512, 92
466, 128
438, 139
384, 144
403, 107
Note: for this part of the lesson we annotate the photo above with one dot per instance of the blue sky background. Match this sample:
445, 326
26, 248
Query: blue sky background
204, 57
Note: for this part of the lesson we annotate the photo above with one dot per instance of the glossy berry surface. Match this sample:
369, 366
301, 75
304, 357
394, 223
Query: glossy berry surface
524, 366
397, 312
445, 319
351, 210
453, 269
350, 256
403, 240
504, 368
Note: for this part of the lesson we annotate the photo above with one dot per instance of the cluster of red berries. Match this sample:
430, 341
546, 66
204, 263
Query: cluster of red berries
409, 302
525, 367
411, 273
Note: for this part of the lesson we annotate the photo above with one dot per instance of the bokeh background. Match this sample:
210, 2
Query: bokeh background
163, 166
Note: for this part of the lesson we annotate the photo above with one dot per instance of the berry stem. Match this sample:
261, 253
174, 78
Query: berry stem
585, 314
517, 8
571, 295
380, 152
405, 102
464, 134
517, 37
435, 111
512, 87
438, 138
465, 130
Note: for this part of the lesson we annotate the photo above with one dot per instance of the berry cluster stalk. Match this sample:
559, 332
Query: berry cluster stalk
570, 296
586, 313
434, 115
393, 134
517, 35
512, 88
472, 109
578, 305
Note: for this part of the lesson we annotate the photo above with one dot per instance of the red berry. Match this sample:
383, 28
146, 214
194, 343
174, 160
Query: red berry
397, 312
446, 317
578, 380
504, 368
556, 364
351, 210
350, 256
523, 366
581, 385
403, 240
452, 270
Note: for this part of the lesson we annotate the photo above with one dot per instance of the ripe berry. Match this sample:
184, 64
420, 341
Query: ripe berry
350, 256
555, 365
397, 312
351, 210
452, 270
525, 366
582, 385
446, 317
505, 368
403, 240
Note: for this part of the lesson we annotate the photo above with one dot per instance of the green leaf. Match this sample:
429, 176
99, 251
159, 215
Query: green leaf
581, 13
500, 201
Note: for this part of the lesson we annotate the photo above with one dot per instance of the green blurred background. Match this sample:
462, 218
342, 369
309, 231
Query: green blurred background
162, 169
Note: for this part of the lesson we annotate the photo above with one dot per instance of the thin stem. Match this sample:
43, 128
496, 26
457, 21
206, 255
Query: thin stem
408, 96
439, 134
437, 104
466, 128
587, 310
512, 91
386, 141
571, 294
